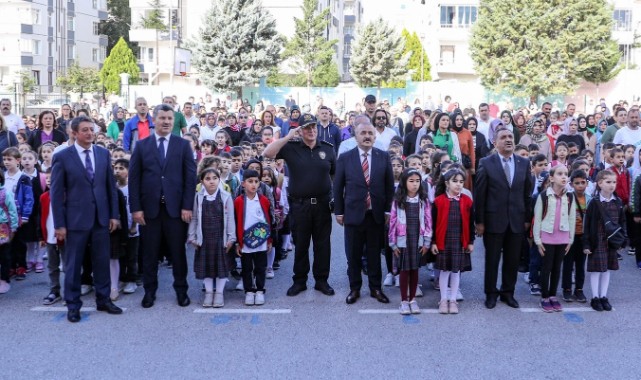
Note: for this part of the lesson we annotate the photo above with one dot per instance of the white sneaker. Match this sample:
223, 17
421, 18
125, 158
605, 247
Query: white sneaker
85, 289
389, 280
219, 300
414, 307
397, 281
250, 298
4, 287
269, 273
209, 300
121, 285
130, 288
405, 308
419, 292
260, 298
240, 286
459, 295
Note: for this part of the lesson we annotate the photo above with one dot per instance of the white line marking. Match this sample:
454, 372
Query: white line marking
63, 308
394, 311
565, 309
242, 311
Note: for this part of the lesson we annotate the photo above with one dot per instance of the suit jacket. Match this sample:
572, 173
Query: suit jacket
350, 189
499, 205
79, 202
149, 179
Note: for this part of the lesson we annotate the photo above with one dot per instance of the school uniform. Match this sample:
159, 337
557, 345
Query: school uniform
603, 258
453, 232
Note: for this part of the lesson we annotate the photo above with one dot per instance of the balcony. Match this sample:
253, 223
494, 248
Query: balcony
454, 32
149, 35
26, 29
449, 66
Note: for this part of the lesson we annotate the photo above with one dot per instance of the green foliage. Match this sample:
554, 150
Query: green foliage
27, 83
117, 24
121, 60
377, 56
536, 47
326, 75
79, 79
308, 48
413, 47
155, 19
607, 68
236, 46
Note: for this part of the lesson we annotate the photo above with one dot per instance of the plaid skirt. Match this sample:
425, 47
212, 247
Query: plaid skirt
410, 257
454, 258
210, 259
604, 258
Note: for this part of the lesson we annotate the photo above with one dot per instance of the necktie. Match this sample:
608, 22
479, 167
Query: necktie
365, 166
88, 165
161, 149
506, 169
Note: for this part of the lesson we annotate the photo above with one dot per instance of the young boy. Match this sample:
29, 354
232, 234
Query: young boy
55, 247
226, 177
533, 149
237, 163
20, 185
253, 225
521, 150
128, 262
575, 258
539, 164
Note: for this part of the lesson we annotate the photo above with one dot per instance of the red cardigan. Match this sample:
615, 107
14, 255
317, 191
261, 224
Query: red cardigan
239, 210
45, 200
622, 189
440, 213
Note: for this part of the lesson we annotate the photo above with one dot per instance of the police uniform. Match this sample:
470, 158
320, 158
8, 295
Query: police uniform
310, 188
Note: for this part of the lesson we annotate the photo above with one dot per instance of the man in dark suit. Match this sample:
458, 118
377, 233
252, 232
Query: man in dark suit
363, 192
85, 210
162, 183
502, 196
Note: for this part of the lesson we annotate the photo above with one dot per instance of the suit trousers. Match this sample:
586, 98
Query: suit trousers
173, 233
508, 246
364, 239
75, 251
311, 222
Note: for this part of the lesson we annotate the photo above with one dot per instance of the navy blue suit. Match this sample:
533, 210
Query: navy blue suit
363, 228
84, 207
161, 189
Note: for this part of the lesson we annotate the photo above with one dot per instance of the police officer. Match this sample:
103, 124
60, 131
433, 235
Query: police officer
311, 162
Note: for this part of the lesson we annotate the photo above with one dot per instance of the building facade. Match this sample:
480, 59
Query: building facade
42, 38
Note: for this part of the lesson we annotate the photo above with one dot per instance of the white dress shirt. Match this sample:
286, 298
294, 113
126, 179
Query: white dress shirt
82, 155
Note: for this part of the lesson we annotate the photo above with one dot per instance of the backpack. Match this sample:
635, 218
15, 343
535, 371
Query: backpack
544, 199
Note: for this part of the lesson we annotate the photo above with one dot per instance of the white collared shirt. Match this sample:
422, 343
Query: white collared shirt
166, 141
210, 197
602, 199
361, 154
511, 163
82, 155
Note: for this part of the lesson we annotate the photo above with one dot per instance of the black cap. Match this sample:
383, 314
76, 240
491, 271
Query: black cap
307, 119
370, 99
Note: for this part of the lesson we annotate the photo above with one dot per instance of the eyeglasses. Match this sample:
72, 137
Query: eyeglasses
242, 117
381, 117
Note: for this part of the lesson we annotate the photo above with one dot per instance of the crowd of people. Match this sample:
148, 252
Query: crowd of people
552, 193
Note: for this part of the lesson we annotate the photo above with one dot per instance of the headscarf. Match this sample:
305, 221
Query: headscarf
578, 121
530, 130
566, 125
494, 125
453, 116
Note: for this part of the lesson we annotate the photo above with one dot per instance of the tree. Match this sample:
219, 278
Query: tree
79, 79
413, 47
236, 46
375, 56
27, 83
308, 48
326, 75
541, 47
610, 66
155, 19
117, 23
121, 60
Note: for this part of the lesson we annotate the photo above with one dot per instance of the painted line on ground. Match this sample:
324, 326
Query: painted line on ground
565, 309
63, 308
242, 311
394, 311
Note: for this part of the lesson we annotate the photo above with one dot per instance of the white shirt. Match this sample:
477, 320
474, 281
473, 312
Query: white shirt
166, 144
14, 122
253, 214
602, 199
83, 155
628, 136
484, 128
130, 221
51, 231
193, 120
385, 137
208, 133
511, 164
11, 181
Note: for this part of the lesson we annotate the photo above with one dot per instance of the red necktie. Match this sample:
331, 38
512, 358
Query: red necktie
365, 165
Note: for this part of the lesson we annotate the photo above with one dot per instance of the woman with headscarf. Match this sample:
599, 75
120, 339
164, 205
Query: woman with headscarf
520, 124
594, 144
117, 125
466, 145
446, 139
535, 134
571, 133
508, 122
428, 129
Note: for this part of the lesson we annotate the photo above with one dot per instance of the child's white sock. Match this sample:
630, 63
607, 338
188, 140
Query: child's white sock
220, 284
209, 284
604, 283
114, 271
594, 284
455, 280
443, 279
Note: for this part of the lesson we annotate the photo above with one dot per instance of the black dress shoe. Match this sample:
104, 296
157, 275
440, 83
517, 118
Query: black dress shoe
379, 295
183, 299
148, 300
295, 289
73, 316
490, 301
510, 301
324, 288
353, 296
110, 308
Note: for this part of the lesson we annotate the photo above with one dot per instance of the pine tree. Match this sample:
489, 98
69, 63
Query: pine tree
117, 24
155, 19
375, 55
79, 79
121, 60
541, 47
308, 47
237, 45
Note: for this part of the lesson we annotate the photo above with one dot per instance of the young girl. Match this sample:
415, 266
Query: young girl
269, 178
8, 225
46, 154
410, 233
222, 143
392, 277
601, 258
213, 232
35, 254
207, 148
453, 238
561, 152
553, 233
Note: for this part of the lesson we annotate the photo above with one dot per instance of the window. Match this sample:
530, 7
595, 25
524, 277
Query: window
447, 16
94, 4
71, 51
35, 16
36, 76
71, 23
622, 19
103, 53
50, 78
94, 55
466, 16
35, 47
347, 50
96, 28
150, 52
447, 54
26, 46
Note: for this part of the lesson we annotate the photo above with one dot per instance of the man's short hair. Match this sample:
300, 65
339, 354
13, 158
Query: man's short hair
162, 107
76, 121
